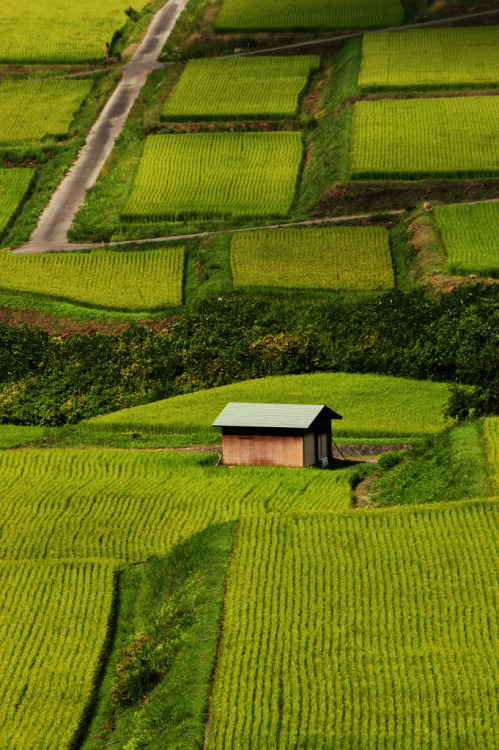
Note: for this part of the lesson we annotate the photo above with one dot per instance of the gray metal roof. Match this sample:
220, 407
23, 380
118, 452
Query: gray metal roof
295, 416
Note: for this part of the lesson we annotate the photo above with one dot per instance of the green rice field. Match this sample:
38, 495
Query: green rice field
353, 258
55, 32
27, 111
260, 87
314, 15
120, 280
53, 629
371, 405
470, 237
430, 59
361, 630
425, 138
214, 175
14, 185
131, 505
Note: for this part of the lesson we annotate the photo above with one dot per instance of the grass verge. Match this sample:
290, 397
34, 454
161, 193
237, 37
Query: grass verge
451, 466
154, 693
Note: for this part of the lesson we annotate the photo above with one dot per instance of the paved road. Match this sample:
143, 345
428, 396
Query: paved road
56, 219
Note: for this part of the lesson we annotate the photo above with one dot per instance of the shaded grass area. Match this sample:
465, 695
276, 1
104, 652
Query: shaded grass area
451, 466
327, 159
163, 652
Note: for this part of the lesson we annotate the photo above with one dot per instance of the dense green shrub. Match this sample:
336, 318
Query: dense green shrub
48, 380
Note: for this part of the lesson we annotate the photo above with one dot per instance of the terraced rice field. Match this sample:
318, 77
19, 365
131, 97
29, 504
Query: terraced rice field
14, 185
120, 280
470, 237
31, 110
430, 59
319, 15
54, 625
371, 405
215, 175
54, 32
353, 258
130, 505
425, 138
245, 88
361, 629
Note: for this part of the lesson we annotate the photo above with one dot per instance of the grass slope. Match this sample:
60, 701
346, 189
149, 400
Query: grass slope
371, 405
451, 466
164, 649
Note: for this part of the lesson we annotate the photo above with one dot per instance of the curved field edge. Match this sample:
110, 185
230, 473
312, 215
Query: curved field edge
372, 406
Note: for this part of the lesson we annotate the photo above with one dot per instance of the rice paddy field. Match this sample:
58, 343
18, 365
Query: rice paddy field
15, 183
214, 175
374, 406
425, 138
53, 629
430, 59
27, 111
131, 280
53, 32
470, 238
315, 15
361, 629
260, 87
131, 505
350, 258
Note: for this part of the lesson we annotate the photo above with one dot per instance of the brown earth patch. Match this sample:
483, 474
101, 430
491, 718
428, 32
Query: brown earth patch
362, 492
64, 327
357, 197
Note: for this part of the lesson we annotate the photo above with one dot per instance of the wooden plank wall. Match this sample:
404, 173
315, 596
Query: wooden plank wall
262, 450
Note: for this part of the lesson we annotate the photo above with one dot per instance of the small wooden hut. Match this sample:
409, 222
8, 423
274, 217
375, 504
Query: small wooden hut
275, 434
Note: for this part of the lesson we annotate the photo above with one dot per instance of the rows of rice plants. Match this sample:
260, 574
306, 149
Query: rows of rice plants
54, 624
361, 629
419, 138
430, 59
295, 15
491, 435
69, 32
243, 88
121, 280
470, 237
28, 113
127, 505
14, 185
213, 175
353, 258
374, 406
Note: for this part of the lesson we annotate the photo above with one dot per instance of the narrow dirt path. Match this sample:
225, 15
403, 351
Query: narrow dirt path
58, 215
